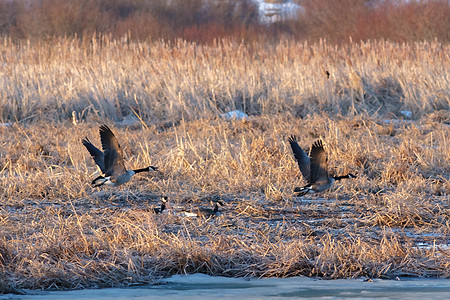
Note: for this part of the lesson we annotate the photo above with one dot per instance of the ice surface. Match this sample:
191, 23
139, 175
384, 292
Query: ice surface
200, 286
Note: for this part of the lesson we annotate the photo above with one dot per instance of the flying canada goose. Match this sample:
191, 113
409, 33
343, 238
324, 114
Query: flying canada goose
314, 168
110, 161
158, 210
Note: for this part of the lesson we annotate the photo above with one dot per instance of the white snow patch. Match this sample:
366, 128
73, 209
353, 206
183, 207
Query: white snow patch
407, 113
235, 114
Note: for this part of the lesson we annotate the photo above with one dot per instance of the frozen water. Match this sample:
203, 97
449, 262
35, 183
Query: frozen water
200, 286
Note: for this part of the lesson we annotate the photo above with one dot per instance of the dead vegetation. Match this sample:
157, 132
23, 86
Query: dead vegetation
58, 232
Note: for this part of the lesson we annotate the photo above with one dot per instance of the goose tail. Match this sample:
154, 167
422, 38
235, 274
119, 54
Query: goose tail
301, 191
99, 181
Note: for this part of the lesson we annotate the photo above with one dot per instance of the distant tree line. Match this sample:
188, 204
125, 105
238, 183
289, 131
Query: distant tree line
205, 20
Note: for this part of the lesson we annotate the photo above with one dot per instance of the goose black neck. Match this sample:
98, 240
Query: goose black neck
216, 208
163, 207
142, 170
342, 177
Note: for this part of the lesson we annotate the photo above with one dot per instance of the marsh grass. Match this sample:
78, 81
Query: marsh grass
58, 232
160, 81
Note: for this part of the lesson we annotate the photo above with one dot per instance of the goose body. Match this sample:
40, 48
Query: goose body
314, 168
205, 212
110, 160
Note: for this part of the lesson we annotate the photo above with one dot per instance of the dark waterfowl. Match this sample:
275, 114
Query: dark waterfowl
314, 168
158, 210
204, 212
110, 161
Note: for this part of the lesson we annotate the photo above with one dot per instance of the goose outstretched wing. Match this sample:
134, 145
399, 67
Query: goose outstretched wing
96, 154
319, 164
113, 152
303, 160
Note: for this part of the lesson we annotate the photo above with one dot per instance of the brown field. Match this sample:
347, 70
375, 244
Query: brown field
59, 232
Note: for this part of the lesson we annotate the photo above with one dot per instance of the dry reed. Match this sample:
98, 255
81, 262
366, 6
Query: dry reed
58, 232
